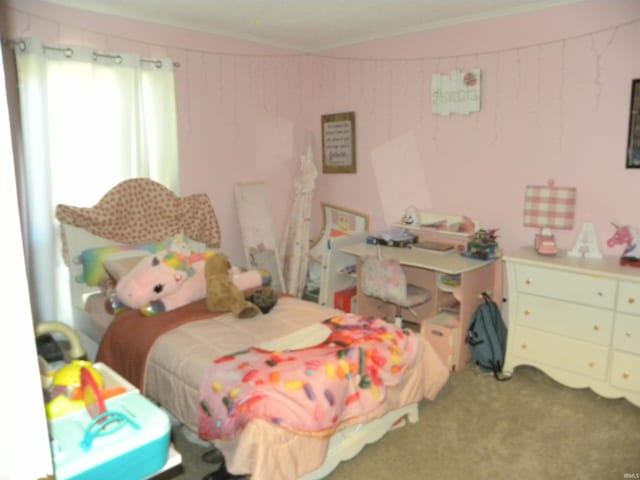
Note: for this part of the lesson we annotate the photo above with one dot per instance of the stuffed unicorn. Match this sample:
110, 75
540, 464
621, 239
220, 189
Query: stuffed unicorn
169, 280
629, 237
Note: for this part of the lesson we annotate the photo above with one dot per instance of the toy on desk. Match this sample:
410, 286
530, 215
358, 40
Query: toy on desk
411, 216
482, 245
393, 237
627, 236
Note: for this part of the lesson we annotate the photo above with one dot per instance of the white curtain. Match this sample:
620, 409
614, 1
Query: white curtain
296, 247
89, 120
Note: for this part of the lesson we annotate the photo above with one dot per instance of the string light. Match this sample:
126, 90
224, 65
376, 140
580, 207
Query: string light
31, 15
373, 71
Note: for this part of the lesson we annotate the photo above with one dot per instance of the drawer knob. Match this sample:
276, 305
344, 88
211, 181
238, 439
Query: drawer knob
524, 346
626, 375
592, 364
527, 312
596, 328
528, 281
631, 301
627, 334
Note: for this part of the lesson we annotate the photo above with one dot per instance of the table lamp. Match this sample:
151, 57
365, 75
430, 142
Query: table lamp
548, 207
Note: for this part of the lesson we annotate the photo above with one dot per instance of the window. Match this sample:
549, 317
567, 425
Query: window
89, 120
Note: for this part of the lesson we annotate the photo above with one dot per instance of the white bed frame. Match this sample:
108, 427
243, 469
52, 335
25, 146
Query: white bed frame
346, 444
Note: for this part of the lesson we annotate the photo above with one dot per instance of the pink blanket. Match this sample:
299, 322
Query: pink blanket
311, 390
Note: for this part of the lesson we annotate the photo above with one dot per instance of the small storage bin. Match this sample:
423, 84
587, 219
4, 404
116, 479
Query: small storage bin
133, 446
443, 333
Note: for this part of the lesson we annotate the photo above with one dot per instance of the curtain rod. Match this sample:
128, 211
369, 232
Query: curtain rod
68, 52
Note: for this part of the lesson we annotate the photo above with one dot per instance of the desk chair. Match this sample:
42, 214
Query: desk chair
384, 279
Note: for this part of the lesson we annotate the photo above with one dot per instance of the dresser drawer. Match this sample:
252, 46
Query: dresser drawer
629, 298
626, 334
569, 319
574, 287
625, 371
560, 352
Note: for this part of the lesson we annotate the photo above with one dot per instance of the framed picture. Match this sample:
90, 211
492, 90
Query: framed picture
633, 143
339, 143
337, 222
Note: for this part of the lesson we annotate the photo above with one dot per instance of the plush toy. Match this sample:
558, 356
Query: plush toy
160, 283
222, 294
264, 298
411, 216
171, 279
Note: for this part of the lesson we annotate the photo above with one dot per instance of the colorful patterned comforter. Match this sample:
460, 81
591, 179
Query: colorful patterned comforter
310, 390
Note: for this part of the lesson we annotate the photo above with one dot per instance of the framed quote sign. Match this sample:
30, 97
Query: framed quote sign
339, 143
633, 142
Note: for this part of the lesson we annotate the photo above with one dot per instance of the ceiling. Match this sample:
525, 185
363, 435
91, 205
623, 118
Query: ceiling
311, 25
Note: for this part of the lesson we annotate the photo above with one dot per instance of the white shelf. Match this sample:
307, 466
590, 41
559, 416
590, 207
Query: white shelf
333, 276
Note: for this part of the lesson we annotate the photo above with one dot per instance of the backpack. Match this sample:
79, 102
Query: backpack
487, 337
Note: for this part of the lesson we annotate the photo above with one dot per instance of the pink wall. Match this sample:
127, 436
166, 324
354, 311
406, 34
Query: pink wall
243, 109
555, 104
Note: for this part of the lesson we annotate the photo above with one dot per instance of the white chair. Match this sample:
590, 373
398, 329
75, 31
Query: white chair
385, 279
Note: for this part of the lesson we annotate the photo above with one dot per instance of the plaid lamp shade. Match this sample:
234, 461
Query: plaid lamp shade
549, 206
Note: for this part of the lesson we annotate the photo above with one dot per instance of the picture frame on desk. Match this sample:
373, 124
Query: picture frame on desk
338, 221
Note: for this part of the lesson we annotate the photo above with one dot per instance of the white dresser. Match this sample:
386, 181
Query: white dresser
576, 319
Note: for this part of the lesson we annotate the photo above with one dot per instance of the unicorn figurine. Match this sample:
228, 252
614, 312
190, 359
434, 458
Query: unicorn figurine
627, 236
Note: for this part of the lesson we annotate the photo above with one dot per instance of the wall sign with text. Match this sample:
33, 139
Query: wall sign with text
633, 143
456, 92
339, 143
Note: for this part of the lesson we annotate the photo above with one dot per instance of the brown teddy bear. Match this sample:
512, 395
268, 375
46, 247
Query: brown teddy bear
222, 294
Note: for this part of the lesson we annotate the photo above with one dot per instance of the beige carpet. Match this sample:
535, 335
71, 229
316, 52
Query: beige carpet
528, 428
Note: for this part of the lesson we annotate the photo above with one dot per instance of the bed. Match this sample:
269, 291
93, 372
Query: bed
172, 356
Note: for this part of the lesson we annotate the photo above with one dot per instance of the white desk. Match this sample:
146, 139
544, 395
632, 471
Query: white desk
450, 262
445, 319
